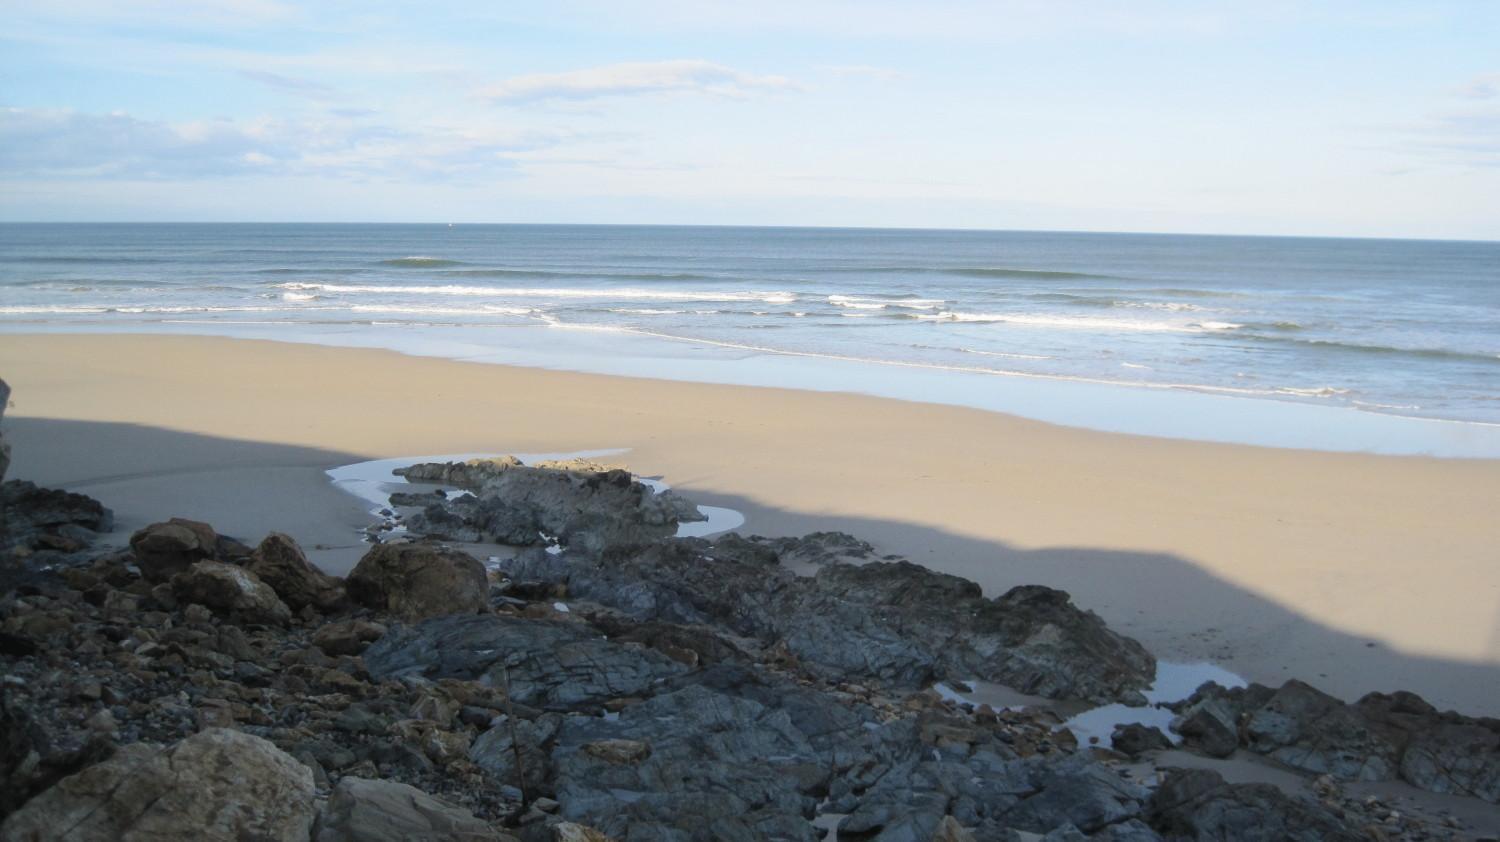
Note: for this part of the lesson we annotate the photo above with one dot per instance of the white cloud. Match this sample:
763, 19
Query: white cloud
633, 78
1486, 86
294, 85
69, 144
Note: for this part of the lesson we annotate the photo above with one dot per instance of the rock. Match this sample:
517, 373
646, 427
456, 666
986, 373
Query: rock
216, 785
4, 445
162, 550
552, 665
1198, 804
362, 810
349, 637
417, 581
619, 751
574, 832
280, 563
1209, 726
47, 518
585, 506
897, 623
495, 752
1135, 739
1085, 795
949, 830
232, 592
1396, 736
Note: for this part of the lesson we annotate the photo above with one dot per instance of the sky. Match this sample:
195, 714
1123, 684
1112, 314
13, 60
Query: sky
1312, 118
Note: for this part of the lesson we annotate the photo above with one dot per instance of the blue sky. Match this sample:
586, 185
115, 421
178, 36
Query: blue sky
1319, 118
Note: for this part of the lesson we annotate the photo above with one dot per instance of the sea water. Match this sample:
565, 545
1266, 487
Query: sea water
1381, 330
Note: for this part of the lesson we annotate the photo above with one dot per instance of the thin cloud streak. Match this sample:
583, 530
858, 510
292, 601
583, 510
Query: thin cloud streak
634, 79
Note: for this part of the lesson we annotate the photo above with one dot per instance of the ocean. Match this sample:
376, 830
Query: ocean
1389, 327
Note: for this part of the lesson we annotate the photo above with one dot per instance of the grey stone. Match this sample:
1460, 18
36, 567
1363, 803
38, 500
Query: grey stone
1198, 804
280, 563
218, 786
232, 592
417, 581
362, 810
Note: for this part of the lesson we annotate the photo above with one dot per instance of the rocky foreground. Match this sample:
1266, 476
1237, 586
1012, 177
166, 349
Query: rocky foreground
608, 680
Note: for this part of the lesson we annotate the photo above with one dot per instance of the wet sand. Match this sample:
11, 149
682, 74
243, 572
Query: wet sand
1353, 572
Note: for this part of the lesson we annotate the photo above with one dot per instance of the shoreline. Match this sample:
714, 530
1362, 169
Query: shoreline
1172, 411
1275, 563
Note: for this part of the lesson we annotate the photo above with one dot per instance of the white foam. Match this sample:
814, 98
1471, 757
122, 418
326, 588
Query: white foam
607, 293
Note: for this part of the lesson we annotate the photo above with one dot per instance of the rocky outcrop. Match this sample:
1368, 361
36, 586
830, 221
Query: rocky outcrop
162, 550
581, 504
362, 810
37, 518
895, 622
280, 563
1381, 737
417, 581
4, 445
217, 785
546, 664
231, 591
1198, 804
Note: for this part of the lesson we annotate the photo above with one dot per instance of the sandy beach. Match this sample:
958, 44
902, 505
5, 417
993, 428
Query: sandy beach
1354, 572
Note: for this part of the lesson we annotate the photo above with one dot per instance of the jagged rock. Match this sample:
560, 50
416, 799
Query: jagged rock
30, 759
230, 591
949, 830
1380, 737
549, 664
417, 581
584, 505
1198, 804
1209, 725
280, 563
495, 752
47, 518
349, 637
896, 622
1083, 794
471, 474
1134, 739
219, 786
162, 550
362, 810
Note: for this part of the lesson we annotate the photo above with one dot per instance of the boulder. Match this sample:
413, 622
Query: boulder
162, 550
362, 810
280, 563
1135, 739
48, 518
232, 592
1198, 804
418, 581
1209, 726
217, 786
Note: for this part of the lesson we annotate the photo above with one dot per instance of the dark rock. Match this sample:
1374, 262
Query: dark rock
896, 622
231, 591
495, 752
1380, 737
47, 518
585, 506
417, 581
280, 563
1209, 726
162, 550
1135, 739
551, 665
1198, 804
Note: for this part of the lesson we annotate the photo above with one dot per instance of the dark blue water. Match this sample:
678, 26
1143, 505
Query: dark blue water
1391, 326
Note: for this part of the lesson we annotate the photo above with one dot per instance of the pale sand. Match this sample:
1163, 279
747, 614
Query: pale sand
1274, 563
